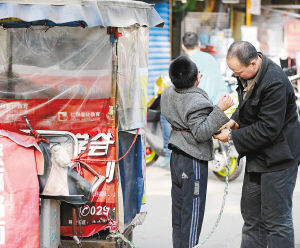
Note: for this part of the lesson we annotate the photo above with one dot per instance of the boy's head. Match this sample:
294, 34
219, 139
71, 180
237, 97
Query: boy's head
183, 72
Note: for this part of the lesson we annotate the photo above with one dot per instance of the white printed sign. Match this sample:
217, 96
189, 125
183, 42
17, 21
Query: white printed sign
255, 7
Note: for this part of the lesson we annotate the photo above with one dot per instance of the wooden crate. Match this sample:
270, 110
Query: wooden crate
97, 243
90, 243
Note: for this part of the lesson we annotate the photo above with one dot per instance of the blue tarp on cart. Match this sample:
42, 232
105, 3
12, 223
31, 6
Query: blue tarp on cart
131, 172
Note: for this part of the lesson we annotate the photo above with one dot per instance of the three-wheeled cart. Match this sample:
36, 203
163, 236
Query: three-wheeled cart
78, 74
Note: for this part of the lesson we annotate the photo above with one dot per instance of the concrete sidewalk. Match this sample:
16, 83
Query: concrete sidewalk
156, 230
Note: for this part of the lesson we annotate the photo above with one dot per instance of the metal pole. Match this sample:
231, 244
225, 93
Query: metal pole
74, 221
231, 17
114, 104
248, 14
10, 83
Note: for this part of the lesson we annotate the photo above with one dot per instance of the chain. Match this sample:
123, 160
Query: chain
80, 225
200, 243
120, 238
77, 241
76, 238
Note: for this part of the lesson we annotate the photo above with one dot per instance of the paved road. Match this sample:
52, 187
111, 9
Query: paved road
156, 230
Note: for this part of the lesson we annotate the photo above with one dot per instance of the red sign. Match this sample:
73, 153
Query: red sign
292, 37
94, 127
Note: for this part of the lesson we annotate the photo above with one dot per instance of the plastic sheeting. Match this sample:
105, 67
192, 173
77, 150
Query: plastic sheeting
62, 63
75, 64
132, 77
62, 80
91, 13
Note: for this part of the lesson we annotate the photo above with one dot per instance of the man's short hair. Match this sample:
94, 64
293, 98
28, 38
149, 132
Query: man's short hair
244, 51
190, 40
183, 72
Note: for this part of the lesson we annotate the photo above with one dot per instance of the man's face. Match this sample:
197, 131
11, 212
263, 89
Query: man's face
240, 70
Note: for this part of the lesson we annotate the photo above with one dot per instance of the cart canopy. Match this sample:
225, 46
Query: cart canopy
78, 80
103, 13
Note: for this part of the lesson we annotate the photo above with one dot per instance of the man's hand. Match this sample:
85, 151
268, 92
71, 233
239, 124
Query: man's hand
223, 136
225, 102
231, 124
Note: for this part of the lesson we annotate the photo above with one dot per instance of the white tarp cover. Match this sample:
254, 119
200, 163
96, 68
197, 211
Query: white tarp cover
94, 13
132, 77
53, 2
74, 63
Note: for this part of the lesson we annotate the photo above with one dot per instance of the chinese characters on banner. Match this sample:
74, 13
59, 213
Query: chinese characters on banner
94, 129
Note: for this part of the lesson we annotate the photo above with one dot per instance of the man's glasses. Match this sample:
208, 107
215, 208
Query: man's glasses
200, 75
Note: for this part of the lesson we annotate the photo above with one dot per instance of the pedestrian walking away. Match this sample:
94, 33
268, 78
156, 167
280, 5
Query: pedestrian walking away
265, 129
212, 81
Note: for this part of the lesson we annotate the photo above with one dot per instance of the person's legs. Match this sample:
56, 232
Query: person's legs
277, 194
194, 192
189, 185
253, 232
177, 199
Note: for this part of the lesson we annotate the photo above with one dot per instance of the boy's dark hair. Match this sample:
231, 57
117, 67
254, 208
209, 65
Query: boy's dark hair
183, 72
190, 40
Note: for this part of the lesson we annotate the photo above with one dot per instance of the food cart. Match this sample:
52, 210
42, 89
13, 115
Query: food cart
76, 75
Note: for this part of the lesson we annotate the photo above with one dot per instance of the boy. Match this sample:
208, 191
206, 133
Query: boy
194, 121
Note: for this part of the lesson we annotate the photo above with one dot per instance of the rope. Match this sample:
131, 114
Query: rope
83, 161
201, 243
120, 238
80, 159
118, 235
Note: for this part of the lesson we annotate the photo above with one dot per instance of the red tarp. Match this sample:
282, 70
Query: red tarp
19, 192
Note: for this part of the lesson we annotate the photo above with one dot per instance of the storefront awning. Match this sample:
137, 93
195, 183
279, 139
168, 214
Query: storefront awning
103, 13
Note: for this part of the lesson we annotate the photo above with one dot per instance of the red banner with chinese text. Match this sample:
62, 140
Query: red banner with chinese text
94, 127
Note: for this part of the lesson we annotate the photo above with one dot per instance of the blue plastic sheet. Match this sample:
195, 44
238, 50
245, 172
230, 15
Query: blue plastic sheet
131, 172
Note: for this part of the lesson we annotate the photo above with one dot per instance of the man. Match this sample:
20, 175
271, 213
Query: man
266, 130
211, 82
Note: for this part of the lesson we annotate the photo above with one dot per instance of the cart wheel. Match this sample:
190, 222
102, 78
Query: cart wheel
234, 170
151, 156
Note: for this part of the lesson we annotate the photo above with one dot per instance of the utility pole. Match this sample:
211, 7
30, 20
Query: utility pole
248, 14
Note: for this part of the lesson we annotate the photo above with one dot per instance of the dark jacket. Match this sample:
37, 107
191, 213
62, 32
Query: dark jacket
269, 133
191, 110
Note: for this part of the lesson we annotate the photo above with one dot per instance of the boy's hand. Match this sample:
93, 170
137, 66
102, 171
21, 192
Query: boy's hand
232, 124
223, 136
225, 102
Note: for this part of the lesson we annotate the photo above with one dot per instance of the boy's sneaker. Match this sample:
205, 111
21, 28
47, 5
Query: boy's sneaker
165, 162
